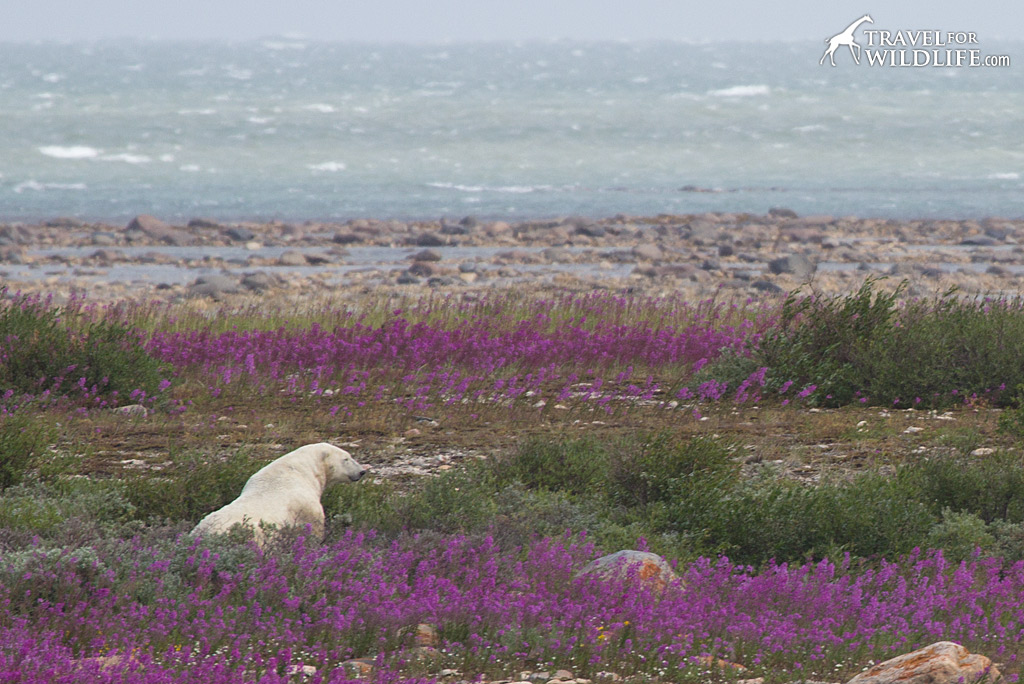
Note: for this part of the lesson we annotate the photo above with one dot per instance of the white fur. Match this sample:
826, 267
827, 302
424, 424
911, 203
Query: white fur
286, 491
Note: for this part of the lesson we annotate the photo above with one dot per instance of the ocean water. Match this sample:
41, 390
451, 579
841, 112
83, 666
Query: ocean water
295, 130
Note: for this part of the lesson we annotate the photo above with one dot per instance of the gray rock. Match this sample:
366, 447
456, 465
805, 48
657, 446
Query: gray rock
766, 287
214, 286
64, 222
429, 240
648, 252
15, 235
703, 232
979, 241
454, 228
346, 238
795, 264
293, 258
132, 410
13, 255
103, 238
443, 281
239, 234
203, 223
591, 230
260, 281
317, 259
407, 278
782, 212
639, 567
558, 255
426, 255
468, 267
469, 222
157, 230
423, 268
725, 250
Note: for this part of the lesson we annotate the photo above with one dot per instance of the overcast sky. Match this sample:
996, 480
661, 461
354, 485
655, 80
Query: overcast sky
462, 20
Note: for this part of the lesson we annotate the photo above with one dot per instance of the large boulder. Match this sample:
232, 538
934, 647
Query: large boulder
648, 252
157, 230
943, 662
293, 258
640, 567
239, 234
214, 286
795, 264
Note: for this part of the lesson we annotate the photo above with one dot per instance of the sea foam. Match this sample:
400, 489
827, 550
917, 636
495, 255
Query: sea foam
69, 152
741, 91
327, 166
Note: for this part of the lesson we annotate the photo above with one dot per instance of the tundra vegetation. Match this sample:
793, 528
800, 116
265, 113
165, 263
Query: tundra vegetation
838, 479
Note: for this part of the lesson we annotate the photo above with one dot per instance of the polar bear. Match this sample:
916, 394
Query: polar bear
286, 492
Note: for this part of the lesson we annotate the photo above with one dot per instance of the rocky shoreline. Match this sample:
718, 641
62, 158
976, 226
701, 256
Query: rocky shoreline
698, 255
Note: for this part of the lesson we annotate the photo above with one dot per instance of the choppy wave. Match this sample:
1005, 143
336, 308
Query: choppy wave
741, 91
327, 166
36, 186
512, 189
127, 158
69, 152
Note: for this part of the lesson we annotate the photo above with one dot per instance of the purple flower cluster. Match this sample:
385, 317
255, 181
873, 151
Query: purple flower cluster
593, 348
142, 615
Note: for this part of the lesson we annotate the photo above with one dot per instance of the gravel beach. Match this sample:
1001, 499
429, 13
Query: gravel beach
698, 254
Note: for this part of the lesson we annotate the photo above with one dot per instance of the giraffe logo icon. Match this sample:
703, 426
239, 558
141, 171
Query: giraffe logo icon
845, 38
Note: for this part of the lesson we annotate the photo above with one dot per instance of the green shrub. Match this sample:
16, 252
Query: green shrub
55, 349
577, 466
1009, 540
991, 488
925, 353
731, 368
70, 514
789, 521
946, 350
455, 501
1011, 420
192, 487
523, 515
22, 438
827, 342
959, 535
366, 505
667, 469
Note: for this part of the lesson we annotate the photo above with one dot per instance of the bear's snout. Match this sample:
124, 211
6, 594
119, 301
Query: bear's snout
360, 474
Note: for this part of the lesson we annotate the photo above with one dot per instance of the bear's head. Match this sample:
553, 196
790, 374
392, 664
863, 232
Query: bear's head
340, 466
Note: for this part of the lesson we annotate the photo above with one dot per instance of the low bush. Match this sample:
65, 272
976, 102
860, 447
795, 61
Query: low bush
869, 346
961, 535
56, 351
991, 487
779, 519
22, 438
192, 487
665, 468
576, 466
827, 342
